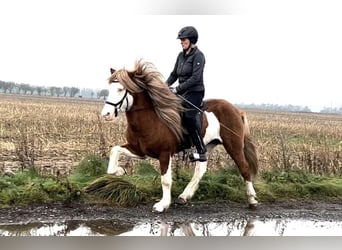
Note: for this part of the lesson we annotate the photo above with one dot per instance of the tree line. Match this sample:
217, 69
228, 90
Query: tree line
332, 110
27, 89
267, 106
289, 107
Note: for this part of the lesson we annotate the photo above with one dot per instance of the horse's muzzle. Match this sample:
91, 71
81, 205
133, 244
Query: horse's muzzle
108, 117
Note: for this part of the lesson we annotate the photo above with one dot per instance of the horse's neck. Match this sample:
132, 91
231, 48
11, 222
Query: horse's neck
141, 110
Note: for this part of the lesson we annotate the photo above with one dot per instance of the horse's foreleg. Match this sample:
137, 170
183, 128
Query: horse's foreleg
113, 165
189, 191
166, 181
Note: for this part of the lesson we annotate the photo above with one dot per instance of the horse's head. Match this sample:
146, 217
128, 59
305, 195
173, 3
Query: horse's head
118, 100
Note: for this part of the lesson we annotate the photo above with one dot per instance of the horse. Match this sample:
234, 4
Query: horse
154, 129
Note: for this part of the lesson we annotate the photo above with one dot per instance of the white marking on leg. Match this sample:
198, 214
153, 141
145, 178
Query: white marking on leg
166, 181
189, 191
113, 165
164, 228
251, 194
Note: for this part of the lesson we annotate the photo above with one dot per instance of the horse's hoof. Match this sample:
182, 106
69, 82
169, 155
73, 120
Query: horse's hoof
155, 210
158, 208
118, 172
253, 206
180, 201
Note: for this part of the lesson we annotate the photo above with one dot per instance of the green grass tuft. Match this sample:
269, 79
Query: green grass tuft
92, 166
146, 169
28, 187
115, 190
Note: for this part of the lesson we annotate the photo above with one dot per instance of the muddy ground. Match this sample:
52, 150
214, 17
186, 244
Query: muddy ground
219, 212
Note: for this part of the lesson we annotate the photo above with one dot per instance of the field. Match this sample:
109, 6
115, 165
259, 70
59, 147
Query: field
55, 134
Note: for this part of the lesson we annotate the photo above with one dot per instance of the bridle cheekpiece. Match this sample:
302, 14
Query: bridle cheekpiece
118, 104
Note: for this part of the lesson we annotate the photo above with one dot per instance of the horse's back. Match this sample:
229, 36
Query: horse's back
223, 109
229, 116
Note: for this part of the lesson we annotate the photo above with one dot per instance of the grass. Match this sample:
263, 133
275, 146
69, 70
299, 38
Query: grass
88, 183
28, 187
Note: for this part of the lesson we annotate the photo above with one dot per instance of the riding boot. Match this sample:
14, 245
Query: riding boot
200, 147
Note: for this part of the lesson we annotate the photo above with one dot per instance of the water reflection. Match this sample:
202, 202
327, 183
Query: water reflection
68, 228
244, 227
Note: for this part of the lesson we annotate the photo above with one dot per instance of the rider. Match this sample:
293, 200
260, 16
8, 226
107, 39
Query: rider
189, 72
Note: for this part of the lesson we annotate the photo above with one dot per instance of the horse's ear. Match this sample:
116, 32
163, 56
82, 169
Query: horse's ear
112, 71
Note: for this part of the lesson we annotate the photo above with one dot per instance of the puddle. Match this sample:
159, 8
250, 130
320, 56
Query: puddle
251, 227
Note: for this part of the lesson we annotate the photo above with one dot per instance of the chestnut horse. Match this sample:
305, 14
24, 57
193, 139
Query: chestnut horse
154, 129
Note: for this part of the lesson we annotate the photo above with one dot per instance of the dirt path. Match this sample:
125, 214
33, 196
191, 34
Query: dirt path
316, 210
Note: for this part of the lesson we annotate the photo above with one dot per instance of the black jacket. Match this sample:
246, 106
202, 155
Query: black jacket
189, 72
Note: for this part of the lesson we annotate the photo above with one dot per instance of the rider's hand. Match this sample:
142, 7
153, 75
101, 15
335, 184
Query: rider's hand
173, 90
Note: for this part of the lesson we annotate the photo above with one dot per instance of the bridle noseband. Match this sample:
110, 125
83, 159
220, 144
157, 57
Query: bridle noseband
118, 105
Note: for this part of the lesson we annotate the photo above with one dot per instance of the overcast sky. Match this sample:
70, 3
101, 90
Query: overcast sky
280, 52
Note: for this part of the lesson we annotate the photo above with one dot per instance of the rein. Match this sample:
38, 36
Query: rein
118, 105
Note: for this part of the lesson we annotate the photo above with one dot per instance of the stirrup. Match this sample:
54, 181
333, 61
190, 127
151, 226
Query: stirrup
197, 157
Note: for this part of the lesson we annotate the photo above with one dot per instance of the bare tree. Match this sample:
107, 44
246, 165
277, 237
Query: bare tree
103, 93
74, 91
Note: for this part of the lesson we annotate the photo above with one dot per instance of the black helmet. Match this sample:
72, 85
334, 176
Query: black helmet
188, 32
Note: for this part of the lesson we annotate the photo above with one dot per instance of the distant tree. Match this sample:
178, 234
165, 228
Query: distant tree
7, 86
44, 91
52, 90
306, 109
24, 88
2, 83
59, 91
21, 86
11, 86
66, 90
39, 90
31, 89
74, 91
103, 93
332, 110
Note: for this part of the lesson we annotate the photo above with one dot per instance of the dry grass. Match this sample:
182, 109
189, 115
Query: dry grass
54, 134
306, 141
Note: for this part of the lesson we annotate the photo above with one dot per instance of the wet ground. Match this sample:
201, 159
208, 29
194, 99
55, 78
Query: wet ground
193, 219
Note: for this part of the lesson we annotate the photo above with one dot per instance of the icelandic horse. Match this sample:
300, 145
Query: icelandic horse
154, 129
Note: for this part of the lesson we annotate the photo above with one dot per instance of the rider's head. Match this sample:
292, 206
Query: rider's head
190, 33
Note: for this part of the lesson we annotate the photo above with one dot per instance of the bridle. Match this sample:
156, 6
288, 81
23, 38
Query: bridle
118, 105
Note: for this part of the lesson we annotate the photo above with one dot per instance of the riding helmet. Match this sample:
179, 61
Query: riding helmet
189, 32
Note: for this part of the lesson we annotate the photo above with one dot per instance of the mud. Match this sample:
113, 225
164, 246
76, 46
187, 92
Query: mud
200, 213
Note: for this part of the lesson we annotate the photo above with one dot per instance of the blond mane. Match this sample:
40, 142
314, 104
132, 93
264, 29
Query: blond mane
144, 77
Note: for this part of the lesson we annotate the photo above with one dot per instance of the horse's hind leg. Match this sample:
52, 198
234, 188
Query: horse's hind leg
238, 156
113, 165
189, 191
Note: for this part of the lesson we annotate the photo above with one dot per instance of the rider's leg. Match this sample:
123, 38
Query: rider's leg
193, 123
195, 135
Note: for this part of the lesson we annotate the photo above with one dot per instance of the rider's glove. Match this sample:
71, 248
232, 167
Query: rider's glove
173, 90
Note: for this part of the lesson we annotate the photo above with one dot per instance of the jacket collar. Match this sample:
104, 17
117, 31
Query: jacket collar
191, 50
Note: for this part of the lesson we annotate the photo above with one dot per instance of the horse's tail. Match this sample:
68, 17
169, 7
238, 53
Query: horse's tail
249, 149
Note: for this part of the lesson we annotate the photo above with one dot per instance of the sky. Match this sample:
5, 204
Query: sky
279, 52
